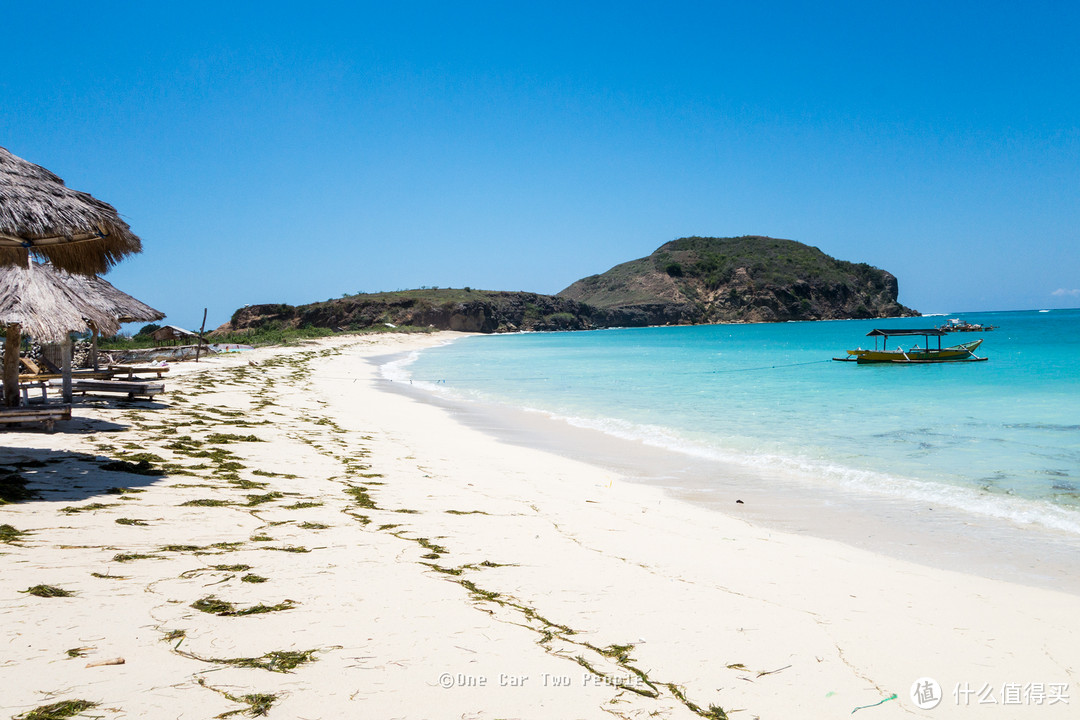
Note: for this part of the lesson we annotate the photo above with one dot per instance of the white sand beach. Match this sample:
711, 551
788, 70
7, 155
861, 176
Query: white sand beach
319, 547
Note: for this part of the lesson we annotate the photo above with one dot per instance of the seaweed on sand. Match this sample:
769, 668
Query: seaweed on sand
174, 635
57, 710
10, 535
282, 661
142, 467
47, 591
13, 489
128, 557
303, 504
360, 495
72, 509
216, 606
260, 499
124, 491
225, 438
258, 704
279, 661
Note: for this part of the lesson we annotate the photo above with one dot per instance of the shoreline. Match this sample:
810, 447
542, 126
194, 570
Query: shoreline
910, 529
413, 566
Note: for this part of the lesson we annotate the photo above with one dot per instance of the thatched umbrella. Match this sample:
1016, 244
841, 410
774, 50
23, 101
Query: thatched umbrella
72, 229
36, 301
117, 303
40, 215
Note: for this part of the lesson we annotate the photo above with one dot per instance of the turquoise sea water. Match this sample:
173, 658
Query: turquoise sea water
1000, 438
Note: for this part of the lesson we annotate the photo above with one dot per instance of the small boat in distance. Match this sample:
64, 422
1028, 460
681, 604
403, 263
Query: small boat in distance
964, 352
958, 325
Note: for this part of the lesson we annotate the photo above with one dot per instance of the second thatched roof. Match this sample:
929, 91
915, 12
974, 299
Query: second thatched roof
41, 215
46, 308
102, 294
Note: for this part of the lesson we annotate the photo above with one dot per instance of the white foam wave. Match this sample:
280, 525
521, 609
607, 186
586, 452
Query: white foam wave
814, 473
397, 370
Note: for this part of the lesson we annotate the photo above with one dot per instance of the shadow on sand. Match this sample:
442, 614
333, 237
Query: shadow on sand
59, 476
116, 403
82, 424
75, 426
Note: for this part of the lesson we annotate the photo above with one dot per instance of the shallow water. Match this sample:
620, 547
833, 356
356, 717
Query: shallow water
999, 438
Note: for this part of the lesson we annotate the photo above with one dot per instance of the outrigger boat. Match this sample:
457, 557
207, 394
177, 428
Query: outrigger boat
958, 325
965, 352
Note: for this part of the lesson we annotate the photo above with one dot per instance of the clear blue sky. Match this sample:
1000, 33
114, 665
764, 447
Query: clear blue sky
293, 152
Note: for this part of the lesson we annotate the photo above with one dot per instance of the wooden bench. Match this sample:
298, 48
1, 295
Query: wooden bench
39, 385
124, 372
132, 371
47, 415
131, 388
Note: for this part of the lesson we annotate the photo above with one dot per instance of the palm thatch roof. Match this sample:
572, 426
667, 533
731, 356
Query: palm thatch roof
103, 295
46, 307
72, 229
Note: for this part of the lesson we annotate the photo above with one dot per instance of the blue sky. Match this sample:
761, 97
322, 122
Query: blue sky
293, 152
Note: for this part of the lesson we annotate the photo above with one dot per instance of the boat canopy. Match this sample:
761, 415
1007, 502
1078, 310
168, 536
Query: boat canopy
896, 332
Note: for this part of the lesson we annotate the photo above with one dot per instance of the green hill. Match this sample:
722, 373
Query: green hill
687, 281
741, 279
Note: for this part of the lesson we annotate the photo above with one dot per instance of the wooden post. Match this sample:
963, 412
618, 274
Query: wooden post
65, 367
93, 348
11, 365
198, 348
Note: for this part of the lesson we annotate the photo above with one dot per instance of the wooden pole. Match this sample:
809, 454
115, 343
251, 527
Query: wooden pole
12, 341
65, 367
93, 348
11, 364
198, 348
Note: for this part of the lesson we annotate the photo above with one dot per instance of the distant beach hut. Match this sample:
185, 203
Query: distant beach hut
172, 333
76, 232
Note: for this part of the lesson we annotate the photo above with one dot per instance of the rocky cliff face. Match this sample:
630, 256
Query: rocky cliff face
745, 279
687, 281
467, 311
